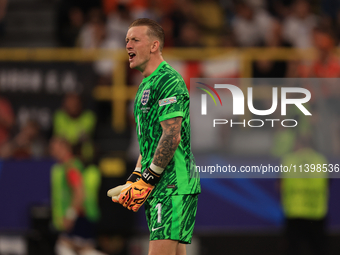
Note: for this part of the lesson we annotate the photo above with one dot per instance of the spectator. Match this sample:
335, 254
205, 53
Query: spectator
251, 27
6, 120
92, 33
70, 27
94, 36
257, 4
228, 38
70, 214
28, 143
117, 24
105, 35
325, 94
76, 126
210, 19
298, 27
327, 64
269, 68
70, 18
189, 36
184, 13
168, 27
3, 5
280, 8
153, 9
76, 17
305, 201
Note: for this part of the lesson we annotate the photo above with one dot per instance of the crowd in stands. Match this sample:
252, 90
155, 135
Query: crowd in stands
197, 23
187, 23
71, 122
298, 24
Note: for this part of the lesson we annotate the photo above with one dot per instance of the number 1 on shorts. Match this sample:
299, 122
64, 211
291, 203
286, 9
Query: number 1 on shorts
159, 212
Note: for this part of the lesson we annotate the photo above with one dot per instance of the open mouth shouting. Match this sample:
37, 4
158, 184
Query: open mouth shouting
131, 56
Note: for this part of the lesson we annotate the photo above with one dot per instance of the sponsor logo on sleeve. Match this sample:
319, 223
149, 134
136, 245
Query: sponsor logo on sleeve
169, 100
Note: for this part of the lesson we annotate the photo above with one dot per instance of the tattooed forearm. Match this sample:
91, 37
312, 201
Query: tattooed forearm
169, 141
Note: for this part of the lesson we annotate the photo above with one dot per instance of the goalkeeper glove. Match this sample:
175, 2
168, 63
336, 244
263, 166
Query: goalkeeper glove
114, 193
133, 196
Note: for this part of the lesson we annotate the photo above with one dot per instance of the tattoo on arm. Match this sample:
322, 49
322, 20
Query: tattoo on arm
169, 141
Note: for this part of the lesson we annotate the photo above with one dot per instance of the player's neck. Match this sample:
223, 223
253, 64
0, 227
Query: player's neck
152, 66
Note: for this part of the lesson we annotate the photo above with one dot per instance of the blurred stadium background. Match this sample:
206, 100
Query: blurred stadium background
64, 71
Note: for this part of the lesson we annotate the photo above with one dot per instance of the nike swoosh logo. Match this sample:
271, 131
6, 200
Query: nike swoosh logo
153, 229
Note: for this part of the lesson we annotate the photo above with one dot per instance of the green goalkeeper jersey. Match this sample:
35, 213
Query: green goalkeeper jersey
163, 95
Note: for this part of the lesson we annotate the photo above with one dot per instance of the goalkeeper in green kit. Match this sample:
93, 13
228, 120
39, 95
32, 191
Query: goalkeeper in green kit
165, 177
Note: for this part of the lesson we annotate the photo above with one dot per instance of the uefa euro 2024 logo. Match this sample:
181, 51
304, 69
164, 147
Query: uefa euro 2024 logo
238, 104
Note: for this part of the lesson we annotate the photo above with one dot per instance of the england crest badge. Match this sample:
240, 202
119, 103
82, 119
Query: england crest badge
145, 96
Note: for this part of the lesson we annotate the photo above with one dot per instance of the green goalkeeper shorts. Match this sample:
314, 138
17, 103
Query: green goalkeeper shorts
171, 217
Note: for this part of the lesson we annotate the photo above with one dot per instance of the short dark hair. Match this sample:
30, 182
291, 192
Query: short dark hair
154, 29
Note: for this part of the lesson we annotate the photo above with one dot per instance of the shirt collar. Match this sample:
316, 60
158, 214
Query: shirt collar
154, 72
